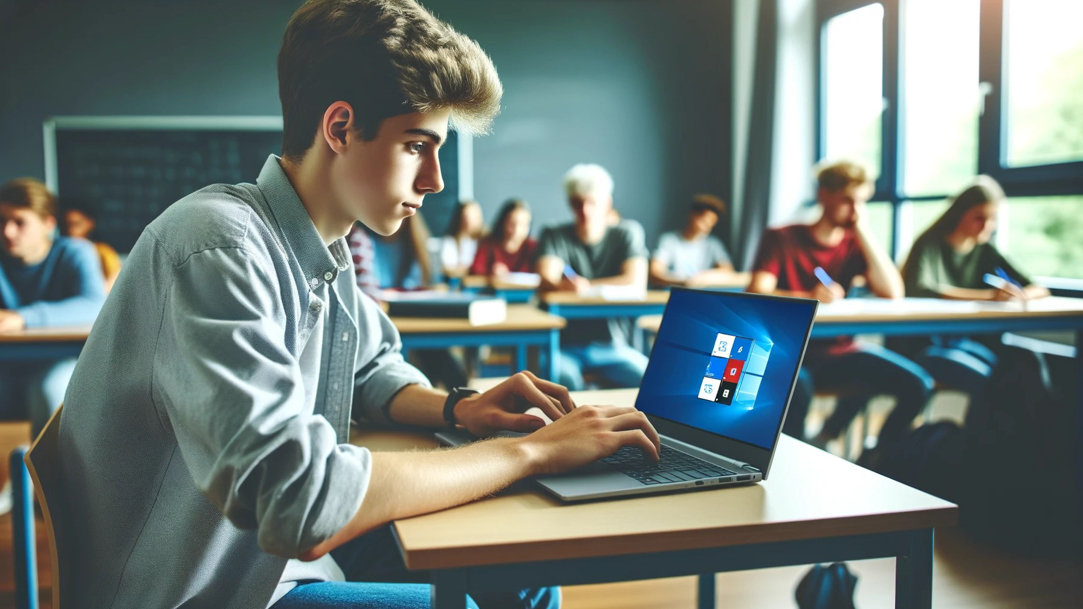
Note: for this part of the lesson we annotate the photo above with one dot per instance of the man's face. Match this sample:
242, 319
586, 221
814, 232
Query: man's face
25, 233
703, 221
844, 207
590, 210
383, 181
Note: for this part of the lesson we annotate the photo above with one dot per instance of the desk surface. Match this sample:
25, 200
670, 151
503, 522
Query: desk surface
873, 310
838, 499
653, 297
58, 334
483, 281
520, 317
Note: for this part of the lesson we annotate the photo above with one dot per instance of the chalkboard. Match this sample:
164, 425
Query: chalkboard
129, 169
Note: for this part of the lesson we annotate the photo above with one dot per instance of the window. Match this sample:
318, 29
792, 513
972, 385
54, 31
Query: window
962, 88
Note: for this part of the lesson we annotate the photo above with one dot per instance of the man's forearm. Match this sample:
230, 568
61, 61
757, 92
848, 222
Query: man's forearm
884, 278
417, 405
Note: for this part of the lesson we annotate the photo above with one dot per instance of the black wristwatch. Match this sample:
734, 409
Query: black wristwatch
457, 393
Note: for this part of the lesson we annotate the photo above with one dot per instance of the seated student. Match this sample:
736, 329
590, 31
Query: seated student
401, 262
45, 280
949, 260
508, 248
590, 252
79, 221
205, 432
693, 256
460, 244
839, 247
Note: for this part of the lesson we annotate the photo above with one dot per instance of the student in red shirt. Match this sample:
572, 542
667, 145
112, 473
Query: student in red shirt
820, 261
508, 248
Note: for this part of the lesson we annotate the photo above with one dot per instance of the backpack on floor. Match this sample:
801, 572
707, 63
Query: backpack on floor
1019, 480
826, 587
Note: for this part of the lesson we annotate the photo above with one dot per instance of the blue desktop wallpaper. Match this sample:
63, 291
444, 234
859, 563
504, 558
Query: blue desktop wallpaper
682, 362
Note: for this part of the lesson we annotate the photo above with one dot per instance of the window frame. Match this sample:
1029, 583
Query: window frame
1023, 181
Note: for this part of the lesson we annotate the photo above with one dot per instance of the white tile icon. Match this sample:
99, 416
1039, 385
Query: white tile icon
709, 388
722, 345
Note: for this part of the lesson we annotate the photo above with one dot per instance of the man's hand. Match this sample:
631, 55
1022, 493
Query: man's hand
10, 321
503, 406
589, 433
826, 294
575, 284
500, 269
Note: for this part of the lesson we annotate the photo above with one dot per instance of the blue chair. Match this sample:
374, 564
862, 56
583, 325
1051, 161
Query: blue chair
39, 469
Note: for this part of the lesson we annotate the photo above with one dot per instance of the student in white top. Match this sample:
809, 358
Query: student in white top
460, 244
693, 256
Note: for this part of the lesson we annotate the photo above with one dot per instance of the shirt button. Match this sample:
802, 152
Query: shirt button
314, 282
328, 275
315, 306
334, 386
345, 336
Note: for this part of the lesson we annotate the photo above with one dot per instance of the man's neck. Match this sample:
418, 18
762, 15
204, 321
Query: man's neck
827, 233
690, 234
309, 179
591, 235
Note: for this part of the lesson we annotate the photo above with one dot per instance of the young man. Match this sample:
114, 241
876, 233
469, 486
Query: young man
45, 280
820, 261
204, 435
693, 256
590, 252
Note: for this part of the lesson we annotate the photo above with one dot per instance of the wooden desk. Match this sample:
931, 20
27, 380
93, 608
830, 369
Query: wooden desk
813, 508
573, 306
43, 343
736, 282
525, 326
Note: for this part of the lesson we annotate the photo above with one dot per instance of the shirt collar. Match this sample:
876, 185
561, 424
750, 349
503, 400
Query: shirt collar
319, 263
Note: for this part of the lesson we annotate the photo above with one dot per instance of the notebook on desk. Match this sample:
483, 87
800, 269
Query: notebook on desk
716, 388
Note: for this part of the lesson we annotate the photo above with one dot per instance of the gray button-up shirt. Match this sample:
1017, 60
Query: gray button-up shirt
202, 445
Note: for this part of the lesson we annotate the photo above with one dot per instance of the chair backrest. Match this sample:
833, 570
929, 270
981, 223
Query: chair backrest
43, 463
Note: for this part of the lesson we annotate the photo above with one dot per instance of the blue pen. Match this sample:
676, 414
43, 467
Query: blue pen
1006, 277
822, 275
569, 272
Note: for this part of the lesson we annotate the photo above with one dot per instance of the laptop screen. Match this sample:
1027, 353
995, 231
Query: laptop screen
724, 362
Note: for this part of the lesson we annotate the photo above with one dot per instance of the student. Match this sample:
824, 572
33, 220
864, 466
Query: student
460, 244
950, 260
205, 430
79, 221
45, 280
508, 248
821, 260
401, 262
693, 256
591, 252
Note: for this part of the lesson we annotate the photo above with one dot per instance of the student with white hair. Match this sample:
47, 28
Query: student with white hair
585, 254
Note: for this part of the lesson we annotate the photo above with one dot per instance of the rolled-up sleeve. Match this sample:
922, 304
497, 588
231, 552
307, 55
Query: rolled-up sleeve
383, 372
234, 396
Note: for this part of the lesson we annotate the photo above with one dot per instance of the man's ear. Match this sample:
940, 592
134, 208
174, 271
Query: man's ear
335, 127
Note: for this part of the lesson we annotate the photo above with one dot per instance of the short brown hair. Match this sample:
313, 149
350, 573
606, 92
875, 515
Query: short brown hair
839, 175
708, 202
384, 58
29, 192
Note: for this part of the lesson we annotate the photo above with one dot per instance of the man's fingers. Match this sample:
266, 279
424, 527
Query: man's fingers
524, 423
636, 438
637, 421
555, 391
536, 397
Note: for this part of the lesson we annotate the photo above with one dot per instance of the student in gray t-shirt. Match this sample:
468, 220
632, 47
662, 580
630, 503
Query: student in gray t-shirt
693, 256
587, 254
205, 431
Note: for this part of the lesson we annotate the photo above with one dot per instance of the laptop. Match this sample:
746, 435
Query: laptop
717, 387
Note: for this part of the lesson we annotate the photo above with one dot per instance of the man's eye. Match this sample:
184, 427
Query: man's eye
417, 147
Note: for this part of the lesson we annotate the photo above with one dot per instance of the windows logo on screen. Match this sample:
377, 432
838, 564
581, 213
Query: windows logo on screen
734, 371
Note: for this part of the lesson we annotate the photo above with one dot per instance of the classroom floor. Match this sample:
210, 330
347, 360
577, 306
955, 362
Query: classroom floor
966, 574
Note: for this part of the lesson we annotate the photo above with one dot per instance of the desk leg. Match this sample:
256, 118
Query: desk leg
520, 358
551, 359
448, 590
914, 572
705, 594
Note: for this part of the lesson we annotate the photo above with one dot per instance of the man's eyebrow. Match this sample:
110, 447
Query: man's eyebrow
436, 137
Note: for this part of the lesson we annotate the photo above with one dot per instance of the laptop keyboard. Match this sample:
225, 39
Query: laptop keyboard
674, 466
